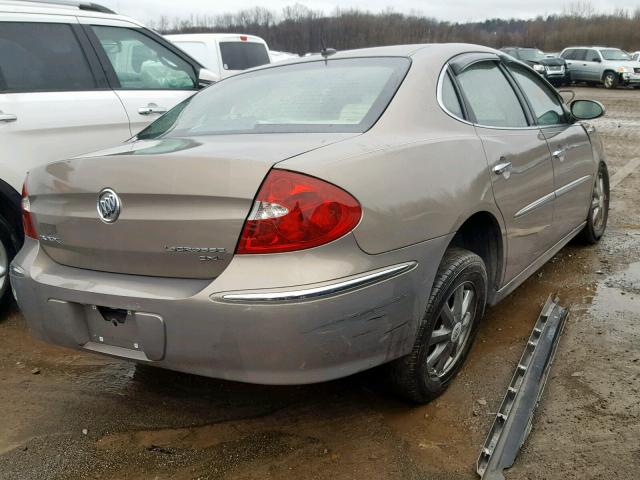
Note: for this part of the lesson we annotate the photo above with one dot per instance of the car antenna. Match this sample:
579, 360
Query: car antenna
326, 52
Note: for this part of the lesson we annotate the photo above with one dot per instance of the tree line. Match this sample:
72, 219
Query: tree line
299, 29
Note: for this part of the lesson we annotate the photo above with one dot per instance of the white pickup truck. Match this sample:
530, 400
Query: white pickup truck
224, 54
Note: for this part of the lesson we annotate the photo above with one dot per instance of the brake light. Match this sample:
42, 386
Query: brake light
293, 211
244, 38
27, 219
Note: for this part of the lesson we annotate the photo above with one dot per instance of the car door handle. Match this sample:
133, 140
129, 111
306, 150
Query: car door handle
559, 154
151, 109
7, 117
503, 168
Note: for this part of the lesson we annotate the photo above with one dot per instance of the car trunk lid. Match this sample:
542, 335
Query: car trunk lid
183, 202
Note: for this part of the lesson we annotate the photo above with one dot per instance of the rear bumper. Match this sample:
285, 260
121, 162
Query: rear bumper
219, 329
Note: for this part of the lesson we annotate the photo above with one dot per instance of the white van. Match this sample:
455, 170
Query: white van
224, 54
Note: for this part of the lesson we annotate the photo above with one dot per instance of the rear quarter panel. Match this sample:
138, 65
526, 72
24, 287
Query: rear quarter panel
418, 172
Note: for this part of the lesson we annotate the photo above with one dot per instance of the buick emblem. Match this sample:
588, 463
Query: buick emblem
108, 205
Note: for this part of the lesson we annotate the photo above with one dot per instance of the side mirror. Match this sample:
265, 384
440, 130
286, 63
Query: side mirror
596, 59
586, 109
206, 78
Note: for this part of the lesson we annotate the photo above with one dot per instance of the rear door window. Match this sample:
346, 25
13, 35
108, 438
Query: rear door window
491, 97
141, 63
580, 54
41, 57
592, 56
243, 55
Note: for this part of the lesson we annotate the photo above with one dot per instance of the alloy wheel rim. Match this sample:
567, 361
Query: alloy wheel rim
598, 203
4, 268
452, 330
608, 81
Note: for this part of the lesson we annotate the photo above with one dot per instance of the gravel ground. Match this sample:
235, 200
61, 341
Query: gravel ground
72, 415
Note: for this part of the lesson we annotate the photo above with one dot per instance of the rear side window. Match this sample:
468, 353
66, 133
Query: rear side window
568, 54
545, 104
40, 57
450, 97
141, 63
491, 97
243, 55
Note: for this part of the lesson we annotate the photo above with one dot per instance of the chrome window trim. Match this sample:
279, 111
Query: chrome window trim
443, 72
322, 291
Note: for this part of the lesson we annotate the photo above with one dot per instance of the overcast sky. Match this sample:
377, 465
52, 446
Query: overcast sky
452, 10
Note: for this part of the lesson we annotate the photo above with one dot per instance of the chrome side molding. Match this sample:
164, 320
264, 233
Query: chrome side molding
324, 290
571, 185
552, 196
533, 205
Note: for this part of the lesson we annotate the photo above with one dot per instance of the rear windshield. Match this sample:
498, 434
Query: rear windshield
341, 95
243, 55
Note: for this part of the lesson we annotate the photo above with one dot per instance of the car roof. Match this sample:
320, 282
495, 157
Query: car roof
202, 37
412, 50
69, 8
428, 54
588, 47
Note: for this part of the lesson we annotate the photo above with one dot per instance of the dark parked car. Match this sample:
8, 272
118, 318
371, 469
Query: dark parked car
552, 68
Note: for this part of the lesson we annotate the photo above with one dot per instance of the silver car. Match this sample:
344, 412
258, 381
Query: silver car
610, 67
306, 221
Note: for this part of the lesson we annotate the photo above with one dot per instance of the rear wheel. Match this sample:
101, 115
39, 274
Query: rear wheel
599, 208
7, 252
449, 325
610, 80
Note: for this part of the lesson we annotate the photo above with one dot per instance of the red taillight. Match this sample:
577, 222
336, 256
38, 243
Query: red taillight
27, 219
294, 211
244, 38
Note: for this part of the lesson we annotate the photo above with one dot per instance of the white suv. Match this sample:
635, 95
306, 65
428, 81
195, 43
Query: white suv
75, 77
610, 67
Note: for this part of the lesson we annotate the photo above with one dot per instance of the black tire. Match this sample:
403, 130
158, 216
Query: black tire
596, 225
610, 80
8, 250
410, 376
